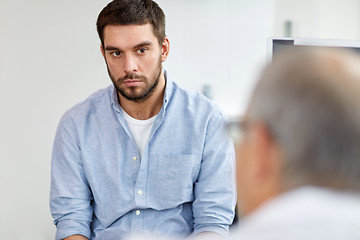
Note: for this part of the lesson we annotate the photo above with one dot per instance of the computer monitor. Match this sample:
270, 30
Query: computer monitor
275, 45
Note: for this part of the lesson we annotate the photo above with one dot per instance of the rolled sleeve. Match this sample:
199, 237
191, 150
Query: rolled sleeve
215, 194
70, 194
68, 228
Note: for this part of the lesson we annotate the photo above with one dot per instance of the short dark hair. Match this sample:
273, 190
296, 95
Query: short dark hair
128, 12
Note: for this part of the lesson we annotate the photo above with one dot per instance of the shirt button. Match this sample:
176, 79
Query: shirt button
134, 158
137, 212
140, 192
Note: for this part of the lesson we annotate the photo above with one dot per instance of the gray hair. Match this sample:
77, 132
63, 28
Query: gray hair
309, 99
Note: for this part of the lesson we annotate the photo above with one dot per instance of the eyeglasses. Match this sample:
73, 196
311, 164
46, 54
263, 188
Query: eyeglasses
236, 129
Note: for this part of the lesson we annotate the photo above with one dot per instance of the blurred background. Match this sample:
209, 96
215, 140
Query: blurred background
50, 60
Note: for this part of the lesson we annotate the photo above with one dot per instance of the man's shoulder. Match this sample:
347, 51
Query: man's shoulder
97, 99
193, 99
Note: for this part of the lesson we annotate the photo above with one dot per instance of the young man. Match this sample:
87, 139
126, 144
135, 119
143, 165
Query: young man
298, 165
142, 155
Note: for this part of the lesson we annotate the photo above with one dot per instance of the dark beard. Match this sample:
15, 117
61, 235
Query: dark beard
147, 93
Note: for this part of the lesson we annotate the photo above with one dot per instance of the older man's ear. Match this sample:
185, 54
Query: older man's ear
258, 168
267, 154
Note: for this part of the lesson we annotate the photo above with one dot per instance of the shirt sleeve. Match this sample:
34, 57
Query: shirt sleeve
70, 194
215, 189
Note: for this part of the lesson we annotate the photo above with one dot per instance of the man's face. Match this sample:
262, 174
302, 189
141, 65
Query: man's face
258, 167
134, 59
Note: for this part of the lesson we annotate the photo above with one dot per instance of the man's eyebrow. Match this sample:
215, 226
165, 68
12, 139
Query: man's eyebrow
111, 48
142, 44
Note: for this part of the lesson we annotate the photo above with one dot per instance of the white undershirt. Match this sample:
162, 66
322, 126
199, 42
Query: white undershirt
140, 130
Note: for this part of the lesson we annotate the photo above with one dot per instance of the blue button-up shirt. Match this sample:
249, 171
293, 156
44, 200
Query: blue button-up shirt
182, 184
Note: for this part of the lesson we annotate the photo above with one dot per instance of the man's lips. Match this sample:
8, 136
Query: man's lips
132, 82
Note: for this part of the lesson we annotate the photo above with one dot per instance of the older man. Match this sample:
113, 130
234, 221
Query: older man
298, 161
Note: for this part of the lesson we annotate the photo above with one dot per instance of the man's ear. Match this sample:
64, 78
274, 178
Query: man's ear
267, 162
102, 50
165, 48
261, 180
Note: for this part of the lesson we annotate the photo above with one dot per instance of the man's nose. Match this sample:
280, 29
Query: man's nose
130, 64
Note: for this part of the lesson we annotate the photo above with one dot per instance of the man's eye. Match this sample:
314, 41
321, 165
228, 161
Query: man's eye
142, 50
116, 54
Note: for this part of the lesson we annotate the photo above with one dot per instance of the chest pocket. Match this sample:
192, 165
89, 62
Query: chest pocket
171, 179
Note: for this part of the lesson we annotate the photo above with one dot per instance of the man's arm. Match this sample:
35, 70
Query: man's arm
70, 194
215, 189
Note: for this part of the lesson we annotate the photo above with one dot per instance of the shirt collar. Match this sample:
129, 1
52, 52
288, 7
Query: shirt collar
115, 100
167, 95
168, 90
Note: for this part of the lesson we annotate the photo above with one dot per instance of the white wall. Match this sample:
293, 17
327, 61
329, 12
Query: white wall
325, 19
50, 60
219, 43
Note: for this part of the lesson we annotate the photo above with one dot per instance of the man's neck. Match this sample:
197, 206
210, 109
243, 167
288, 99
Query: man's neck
147, 108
